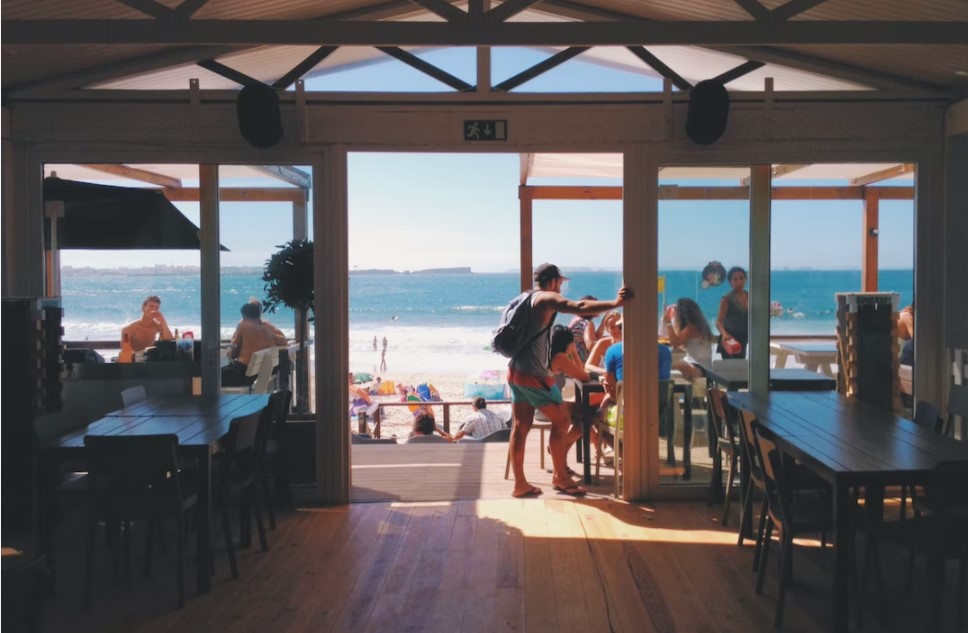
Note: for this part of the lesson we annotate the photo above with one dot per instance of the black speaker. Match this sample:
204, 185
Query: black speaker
708, 111
260, 121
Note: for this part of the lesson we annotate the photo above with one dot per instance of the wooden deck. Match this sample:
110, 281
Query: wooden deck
464, 471
546, 564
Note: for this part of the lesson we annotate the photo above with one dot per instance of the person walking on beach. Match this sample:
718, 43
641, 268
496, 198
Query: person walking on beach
374, 342
152, 325
383, 358
532, 386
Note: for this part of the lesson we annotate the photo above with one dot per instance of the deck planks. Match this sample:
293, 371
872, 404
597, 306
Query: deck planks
546, 564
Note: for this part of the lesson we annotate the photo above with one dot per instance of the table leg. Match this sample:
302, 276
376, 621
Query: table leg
687, 434
841, 588
204, 515
586, 424
716, 479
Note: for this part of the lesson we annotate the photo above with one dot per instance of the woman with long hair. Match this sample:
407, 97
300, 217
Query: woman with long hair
689, 329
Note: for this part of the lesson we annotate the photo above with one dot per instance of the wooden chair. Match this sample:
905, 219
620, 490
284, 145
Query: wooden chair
260, 368
726, 442
238, 479
957, 407
755, 483
133, 478
133, 395
790, 517
274, 466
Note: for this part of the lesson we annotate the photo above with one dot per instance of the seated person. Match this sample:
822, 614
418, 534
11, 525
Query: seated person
905, 332
689, 329
482, 423
424, 429
613, 324
152, 325
251, 335
614, 372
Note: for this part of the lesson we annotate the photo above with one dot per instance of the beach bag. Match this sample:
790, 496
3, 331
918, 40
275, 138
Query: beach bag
509, 337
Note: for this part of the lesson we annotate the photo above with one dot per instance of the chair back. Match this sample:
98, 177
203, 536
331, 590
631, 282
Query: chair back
241, 458
278, 408
771, 460
131, 472
717, 415
133, 395
926, 415
502, 435
748, 438
261, 365
957, 407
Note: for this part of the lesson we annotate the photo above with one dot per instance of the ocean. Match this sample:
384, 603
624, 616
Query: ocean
437, 321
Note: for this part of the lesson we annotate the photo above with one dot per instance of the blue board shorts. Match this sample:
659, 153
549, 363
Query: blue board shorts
537, 397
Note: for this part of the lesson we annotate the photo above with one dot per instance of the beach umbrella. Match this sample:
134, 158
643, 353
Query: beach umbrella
103, 217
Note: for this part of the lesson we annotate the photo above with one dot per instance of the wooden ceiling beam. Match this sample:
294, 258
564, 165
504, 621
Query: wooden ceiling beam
793, 8
660, 67
240, 194
476, 31
150, 8
675, 192
777, 171
756, 10
443, 9
133, 173
509, 8
884, 174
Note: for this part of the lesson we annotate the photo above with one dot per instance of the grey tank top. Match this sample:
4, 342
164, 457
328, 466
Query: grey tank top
536, 358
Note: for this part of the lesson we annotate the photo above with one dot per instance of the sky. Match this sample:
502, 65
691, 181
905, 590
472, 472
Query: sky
417, 210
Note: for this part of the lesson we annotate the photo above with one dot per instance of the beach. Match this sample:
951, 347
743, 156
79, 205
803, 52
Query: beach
397, 420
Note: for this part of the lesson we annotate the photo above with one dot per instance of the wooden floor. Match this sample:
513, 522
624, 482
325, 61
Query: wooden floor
545, 564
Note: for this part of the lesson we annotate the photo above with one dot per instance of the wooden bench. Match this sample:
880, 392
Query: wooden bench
362, 418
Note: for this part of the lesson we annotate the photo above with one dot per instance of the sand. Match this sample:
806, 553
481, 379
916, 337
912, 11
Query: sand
397, 421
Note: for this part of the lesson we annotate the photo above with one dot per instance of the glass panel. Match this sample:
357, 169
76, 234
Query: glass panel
703, 237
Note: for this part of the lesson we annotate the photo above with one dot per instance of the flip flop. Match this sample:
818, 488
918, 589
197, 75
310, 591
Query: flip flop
533, 492
572, 490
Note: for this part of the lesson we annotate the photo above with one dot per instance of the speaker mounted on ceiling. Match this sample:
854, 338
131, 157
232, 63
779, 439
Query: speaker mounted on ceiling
260, 121
708, 112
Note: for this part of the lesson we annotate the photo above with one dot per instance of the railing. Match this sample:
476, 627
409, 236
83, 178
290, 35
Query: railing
362, 417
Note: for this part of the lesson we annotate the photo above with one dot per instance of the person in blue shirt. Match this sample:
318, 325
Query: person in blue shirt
614, 372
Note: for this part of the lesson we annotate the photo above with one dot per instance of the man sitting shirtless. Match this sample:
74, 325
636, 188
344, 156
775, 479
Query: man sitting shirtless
151, 326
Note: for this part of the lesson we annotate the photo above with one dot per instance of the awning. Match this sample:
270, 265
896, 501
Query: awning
102, 217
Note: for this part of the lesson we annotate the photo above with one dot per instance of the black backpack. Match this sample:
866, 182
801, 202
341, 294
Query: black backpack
509, 337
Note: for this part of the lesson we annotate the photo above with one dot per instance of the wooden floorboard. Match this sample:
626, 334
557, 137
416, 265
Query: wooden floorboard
546, 564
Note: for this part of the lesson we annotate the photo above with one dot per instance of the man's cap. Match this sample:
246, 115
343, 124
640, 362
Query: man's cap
547, 272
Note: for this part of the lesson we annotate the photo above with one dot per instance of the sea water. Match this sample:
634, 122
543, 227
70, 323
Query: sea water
441, 322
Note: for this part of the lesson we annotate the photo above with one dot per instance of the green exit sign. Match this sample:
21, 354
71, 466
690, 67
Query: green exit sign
486, 130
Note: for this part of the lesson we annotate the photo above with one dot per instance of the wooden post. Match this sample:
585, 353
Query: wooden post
759, 308
869, 241
209, 286
300, 231
527, 247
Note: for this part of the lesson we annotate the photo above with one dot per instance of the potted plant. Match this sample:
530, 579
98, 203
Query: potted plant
288, 277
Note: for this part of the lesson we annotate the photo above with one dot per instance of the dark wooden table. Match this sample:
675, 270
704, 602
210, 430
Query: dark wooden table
587, 419
733, 374
200, 424
849, 444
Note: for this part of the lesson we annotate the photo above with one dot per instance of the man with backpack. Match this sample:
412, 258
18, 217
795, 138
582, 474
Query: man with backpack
529, 375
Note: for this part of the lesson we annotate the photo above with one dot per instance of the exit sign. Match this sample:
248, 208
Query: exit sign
486, 130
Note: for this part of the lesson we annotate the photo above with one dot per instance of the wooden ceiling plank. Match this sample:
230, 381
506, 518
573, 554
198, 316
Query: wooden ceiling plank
508, 9
240, 194
287, 173
474, 33
793, 8
883, 174
443, 9
756, 10
133, 173
527, 164
149, 8
188, 8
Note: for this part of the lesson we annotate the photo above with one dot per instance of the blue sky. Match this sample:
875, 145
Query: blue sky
412, 211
